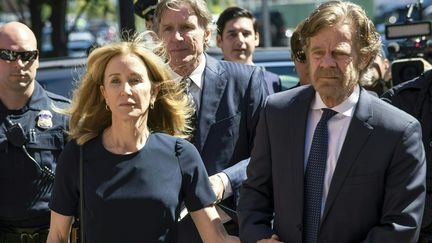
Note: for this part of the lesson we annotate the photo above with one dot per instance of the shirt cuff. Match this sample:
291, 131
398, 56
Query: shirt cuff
227, 185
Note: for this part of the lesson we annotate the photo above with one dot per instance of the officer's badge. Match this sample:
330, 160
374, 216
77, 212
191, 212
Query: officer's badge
44, 119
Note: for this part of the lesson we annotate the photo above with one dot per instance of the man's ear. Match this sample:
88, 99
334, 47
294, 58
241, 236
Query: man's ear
219, 41
207, 36
257, 38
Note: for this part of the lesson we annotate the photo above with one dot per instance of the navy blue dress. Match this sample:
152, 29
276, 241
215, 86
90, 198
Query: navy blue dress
134, 197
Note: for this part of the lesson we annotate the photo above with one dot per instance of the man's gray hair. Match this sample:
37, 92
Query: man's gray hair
198, 6
367, 39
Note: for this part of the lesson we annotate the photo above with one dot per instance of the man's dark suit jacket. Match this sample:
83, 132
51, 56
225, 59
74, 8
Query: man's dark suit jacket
273, 81
231, 100
378, 188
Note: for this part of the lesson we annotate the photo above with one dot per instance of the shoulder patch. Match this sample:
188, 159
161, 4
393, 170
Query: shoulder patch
58, 98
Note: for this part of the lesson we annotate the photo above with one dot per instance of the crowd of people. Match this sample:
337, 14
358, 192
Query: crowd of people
163, 143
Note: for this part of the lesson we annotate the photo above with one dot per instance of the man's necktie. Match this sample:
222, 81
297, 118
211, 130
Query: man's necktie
314, 179
194, 119
191, 90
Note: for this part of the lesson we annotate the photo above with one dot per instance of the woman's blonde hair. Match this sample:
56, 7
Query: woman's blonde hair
172, 109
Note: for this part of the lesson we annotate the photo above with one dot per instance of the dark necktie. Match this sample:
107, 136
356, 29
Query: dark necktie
194, 119
314, 179
191, 90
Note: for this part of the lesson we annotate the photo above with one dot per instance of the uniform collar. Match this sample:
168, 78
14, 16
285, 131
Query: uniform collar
38, 101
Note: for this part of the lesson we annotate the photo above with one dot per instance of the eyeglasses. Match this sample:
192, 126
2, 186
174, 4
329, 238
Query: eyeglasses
9, 55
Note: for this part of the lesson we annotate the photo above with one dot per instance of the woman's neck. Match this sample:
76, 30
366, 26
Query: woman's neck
125, 138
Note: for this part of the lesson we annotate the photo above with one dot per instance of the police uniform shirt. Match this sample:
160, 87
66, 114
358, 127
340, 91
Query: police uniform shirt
24, 192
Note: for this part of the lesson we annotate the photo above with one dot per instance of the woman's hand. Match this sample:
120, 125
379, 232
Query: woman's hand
60, 228
273, 239
232, 239
210, 227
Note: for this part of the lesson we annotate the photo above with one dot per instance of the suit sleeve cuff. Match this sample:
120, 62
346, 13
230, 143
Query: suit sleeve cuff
227, 185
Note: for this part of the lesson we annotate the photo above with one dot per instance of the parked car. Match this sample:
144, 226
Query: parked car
60, 75
274, 59
79, 43
278, 28
278, 60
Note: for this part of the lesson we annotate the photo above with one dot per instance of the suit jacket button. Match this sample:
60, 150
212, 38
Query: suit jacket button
299, 227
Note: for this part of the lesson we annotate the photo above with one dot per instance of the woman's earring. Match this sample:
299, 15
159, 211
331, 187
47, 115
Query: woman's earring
151, 105
107, 107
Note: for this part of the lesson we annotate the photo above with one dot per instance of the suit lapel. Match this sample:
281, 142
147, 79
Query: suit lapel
213, 89
357, 135
297, 129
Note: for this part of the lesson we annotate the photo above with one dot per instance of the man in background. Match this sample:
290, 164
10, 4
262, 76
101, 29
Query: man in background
378, 78
415, 98
238, 36
32, 135
228, 97
145, 9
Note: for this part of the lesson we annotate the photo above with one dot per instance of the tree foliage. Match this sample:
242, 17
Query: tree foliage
53, 13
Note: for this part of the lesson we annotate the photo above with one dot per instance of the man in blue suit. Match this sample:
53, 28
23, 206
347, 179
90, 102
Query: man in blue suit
228, 97
331, 162
237, 36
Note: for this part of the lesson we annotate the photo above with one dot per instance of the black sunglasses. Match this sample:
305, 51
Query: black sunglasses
9, 55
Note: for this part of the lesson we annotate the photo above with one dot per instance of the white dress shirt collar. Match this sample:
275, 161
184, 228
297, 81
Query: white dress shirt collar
197, 74
345, 108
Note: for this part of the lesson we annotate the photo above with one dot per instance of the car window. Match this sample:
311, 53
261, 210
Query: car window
275, 60
60, 76
286, 72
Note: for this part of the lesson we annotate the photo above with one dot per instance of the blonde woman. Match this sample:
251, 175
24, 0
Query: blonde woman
128, 116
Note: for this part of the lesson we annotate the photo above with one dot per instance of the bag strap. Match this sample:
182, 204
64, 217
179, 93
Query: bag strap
81, 189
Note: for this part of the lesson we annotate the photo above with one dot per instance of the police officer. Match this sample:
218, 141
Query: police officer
146, 9
32, 135
415, 98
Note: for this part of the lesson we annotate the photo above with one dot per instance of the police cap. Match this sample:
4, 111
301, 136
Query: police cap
145, 8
